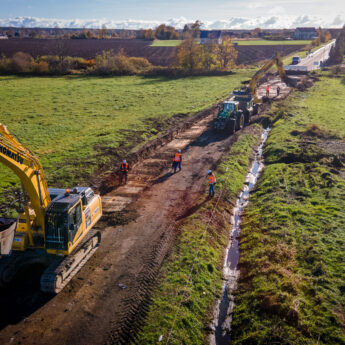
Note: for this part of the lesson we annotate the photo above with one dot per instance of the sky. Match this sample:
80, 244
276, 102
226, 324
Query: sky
114, 13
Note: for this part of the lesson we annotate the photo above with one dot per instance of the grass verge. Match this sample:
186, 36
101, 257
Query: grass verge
291, 288
191, 278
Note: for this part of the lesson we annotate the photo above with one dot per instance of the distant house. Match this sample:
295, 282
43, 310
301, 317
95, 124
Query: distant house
305, 33
211, 36
3, 37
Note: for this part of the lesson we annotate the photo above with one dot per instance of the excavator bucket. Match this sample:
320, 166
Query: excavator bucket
7, 229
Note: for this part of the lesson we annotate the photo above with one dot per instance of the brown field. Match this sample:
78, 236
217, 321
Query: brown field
162, 56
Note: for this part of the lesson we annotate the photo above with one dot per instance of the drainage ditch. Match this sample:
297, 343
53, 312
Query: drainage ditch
222, 321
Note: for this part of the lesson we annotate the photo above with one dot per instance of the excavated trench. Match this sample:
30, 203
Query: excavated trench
221, 324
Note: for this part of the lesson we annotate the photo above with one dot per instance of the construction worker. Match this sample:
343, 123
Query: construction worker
177, 161
267, 90
124, 171
211, 182
278, 90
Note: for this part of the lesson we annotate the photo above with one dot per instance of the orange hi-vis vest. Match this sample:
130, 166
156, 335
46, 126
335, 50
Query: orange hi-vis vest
177, 157
124, 167
211, 179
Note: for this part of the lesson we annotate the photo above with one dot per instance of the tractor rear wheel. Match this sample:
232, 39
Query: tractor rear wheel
240, 122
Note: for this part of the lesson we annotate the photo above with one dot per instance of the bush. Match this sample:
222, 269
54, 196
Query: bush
140, 63
22, 63
41, 67
5, 64
109, 63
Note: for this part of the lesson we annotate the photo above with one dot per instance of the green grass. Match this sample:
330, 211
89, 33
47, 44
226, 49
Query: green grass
184, 299
174, 43
292, 286
166, 43
77, 124
270, 43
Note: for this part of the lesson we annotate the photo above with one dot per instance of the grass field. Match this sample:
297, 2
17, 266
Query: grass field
77, 124
166, 43
292, 287
270, 43
174, 43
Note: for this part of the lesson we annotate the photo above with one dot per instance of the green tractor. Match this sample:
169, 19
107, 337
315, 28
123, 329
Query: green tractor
246, 103
230, 117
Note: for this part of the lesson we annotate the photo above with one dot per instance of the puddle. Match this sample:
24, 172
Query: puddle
221, 325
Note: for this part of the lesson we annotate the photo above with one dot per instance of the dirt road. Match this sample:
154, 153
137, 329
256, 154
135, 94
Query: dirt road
104, 302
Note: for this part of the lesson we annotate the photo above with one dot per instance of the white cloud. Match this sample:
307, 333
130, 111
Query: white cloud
273, 20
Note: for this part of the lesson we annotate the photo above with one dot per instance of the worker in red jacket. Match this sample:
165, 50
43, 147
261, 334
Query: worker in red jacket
177, 161
267, 90
124, 168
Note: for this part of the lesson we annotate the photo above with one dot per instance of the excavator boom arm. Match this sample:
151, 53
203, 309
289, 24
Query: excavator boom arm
276, 59
28, 169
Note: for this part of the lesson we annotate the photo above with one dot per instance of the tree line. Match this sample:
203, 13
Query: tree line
190, 58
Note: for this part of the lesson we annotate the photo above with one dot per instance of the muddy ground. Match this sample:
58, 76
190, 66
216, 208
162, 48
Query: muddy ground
104, 303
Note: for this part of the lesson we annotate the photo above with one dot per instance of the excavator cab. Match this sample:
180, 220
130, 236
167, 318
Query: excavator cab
69, 217
63, 220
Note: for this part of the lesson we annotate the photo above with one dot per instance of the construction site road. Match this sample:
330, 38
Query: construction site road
104, 303
316, 59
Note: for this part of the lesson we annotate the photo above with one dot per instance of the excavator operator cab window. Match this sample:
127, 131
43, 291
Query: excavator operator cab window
74, 220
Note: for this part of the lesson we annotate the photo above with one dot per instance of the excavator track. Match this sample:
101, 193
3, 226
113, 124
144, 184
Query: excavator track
62, 270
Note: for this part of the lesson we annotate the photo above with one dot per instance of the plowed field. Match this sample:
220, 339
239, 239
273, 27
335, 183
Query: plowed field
163, 56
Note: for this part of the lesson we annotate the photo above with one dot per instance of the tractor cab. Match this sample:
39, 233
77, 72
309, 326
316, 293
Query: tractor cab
227, 108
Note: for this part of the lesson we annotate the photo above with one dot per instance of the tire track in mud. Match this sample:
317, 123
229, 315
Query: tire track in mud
126, 328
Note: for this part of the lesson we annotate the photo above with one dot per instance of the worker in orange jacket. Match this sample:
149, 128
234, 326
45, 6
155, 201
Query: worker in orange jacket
211, 182
124, 168
177, 161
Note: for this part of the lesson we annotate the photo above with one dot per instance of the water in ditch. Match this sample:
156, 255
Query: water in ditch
223, 313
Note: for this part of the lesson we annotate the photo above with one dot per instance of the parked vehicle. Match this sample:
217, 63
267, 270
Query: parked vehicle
295, 60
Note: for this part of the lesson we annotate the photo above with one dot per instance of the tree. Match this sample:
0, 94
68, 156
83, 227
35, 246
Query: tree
90, 34
337, 54
189, 56
102, 33
149, 34
210, 52
227, 54
164, 32
324, 36
257, 32
192, 30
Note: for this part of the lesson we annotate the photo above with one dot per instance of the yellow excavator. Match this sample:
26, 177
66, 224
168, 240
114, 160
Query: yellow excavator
54, 227
275, 59
247, 97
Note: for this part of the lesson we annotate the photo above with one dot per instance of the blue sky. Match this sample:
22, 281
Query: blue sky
283, 12
155, 9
